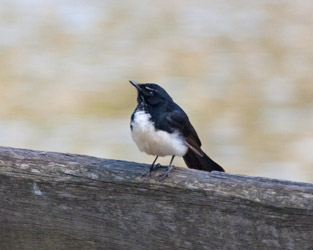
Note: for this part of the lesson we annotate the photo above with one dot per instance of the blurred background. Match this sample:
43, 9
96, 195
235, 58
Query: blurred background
242, 70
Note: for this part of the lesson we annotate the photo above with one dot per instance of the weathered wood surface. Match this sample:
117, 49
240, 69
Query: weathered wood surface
64, 201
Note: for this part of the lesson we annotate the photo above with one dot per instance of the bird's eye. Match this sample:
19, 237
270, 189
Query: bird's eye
150, 89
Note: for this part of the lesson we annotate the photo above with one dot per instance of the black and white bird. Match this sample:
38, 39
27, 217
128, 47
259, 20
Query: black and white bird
160, 127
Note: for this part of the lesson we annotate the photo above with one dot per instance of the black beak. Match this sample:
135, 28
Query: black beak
135, 84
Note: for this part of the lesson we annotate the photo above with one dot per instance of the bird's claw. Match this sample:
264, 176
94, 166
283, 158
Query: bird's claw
153, 168
163, 176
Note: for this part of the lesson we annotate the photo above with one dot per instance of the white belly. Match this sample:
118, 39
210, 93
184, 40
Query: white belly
154, 142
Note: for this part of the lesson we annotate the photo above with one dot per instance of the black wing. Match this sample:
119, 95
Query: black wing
195, 158
178, 119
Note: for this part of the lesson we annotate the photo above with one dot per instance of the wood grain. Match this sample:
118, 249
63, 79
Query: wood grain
66, 201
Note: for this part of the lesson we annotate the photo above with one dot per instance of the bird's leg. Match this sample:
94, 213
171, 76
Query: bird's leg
169, 169
152, 168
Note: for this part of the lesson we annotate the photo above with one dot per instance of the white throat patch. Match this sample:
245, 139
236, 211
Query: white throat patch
153, 142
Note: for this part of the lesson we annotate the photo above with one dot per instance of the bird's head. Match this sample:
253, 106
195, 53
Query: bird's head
151, 94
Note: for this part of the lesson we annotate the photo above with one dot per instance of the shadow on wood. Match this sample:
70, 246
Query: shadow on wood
65, 201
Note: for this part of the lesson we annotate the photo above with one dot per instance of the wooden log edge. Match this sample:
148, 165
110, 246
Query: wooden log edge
65, 201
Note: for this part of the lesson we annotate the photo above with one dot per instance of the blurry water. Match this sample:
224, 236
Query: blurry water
242, 70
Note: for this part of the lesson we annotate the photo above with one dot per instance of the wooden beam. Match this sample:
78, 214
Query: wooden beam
66, 201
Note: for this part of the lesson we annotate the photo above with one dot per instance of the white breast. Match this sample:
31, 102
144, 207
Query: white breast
154, 142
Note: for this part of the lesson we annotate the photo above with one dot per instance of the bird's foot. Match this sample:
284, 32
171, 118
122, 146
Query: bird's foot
163, 176
152, 168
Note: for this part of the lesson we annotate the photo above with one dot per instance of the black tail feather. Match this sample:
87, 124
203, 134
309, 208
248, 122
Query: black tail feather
204, 162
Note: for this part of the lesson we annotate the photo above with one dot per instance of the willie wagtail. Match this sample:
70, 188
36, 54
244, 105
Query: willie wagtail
160, 127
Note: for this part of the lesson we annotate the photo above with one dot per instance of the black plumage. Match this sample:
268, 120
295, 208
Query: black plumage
167, 116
